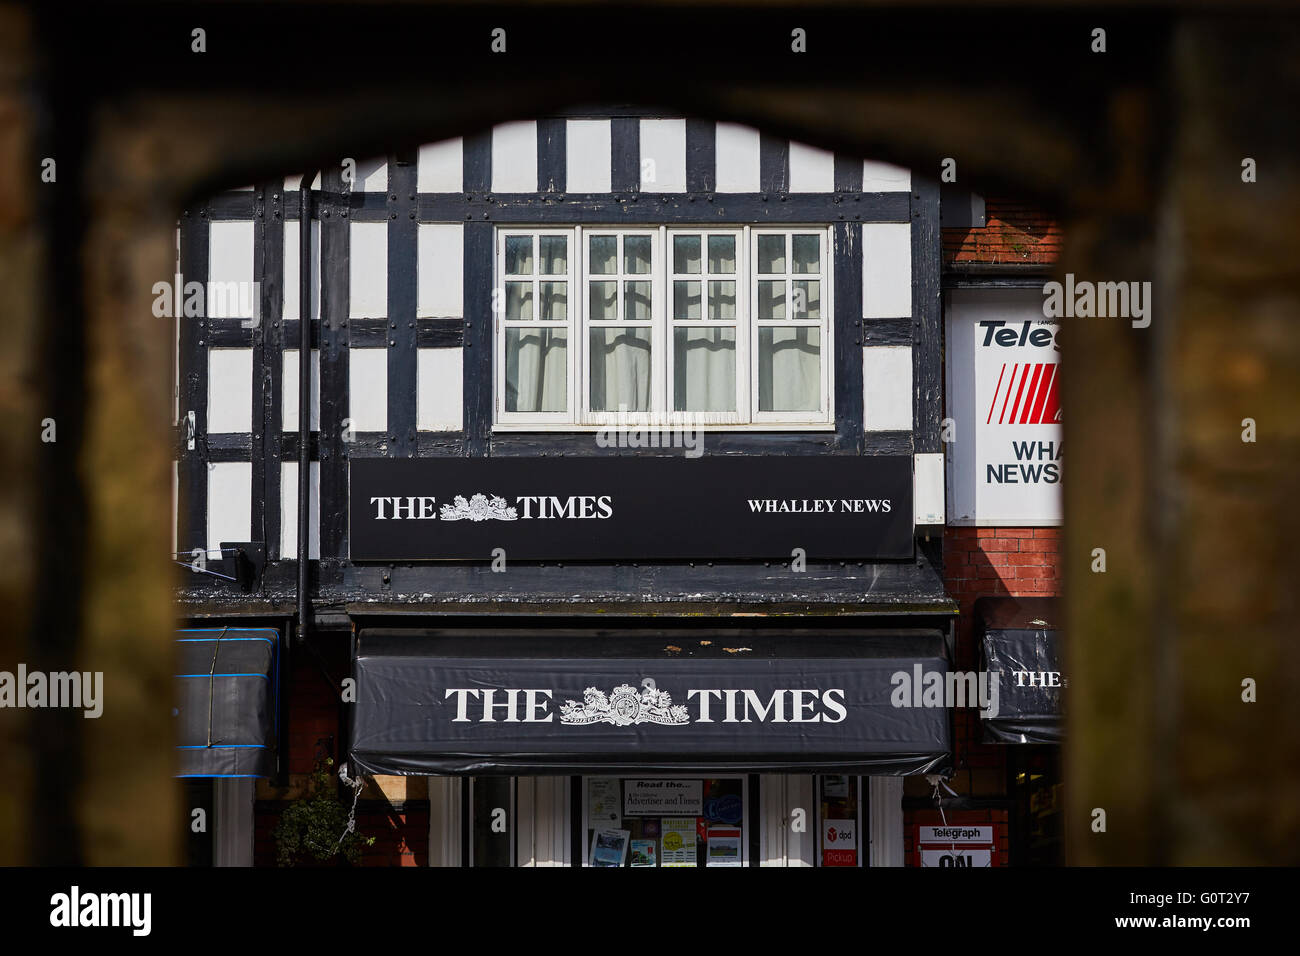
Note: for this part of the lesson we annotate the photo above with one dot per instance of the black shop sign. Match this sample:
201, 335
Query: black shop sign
630, 508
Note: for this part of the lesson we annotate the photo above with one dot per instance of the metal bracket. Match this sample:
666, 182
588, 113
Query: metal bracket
244, 561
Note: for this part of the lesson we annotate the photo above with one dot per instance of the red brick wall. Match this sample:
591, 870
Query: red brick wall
1016, 233
401, 838
990, 562
984, 562
310, 703
987, 562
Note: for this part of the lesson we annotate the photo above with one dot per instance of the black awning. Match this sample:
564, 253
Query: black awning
1020, 643
546, 702
227, 697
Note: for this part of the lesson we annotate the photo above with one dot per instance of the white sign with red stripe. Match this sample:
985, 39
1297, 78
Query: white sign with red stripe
1003, 397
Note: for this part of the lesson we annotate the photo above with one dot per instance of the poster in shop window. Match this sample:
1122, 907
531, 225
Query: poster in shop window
677, 843
657, 798
602, 802
644, 853
722, 847
839, 843
609, 847
1004, 399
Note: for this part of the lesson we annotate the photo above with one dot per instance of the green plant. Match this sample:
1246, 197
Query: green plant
316, 824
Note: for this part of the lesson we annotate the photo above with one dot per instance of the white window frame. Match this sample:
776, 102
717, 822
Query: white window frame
656, 324
823, 323
562, 419
745, 821
578, 416
740, 324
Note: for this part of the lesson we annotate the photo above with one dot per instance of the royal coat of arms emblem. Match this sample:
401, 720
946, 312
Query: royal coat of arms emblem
624, 706
478, 508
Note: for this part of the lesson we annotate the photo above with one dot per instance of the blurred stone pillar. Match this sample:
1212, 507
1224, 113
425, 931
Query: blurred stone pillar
1199, 526
21, 264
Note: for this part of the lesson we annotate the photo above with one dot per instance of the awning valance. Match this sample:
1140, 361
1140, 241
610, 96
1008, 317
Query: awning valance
226, 702
545, 702
1020, 643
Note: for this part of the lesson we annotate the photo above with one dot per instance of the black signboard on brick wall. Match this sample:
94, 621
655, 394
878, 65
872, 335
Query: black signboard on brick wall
631, 508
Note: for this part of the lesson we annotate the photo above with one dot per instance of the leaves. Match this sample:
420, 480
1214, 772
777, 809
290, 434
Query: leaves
312, 825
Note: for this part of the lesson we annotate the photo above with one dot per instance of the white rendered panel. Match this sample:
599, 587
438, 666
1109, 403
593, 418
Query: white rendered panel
230, 391
441, 270
737, 156
514, 157
663, 155
289, 390
886, 270
812, 170
588, 156
440, 166
368, 389
440, 390
887, 388
368, 270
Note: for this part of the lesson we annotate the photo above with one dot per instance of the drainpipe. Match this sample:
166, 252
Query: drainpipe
304, 395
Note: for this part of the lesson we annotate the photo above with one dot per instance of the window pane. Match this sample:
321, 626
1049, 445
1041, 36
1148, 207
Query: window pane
636, 254
771, 255
839, 811
704, 370
537, 369
604, 255
519, 255
711, 839
722, 254
686, 255
492, 843
807, 299
519, 300
722, 300
807, 254
686, 300
620, 370
553, 255
602, 301
636, 301
789, 370
771, 299
554, 301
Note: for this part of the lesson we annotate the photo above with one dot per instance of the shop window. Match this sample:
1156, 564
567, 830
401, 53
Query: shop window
199, 820
839, 821
492, 821
666, 821
720, 327
1036, 826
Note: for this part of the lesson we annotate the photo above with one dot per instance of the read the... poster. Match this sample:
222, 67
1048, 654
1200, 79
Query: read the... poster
677, 841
